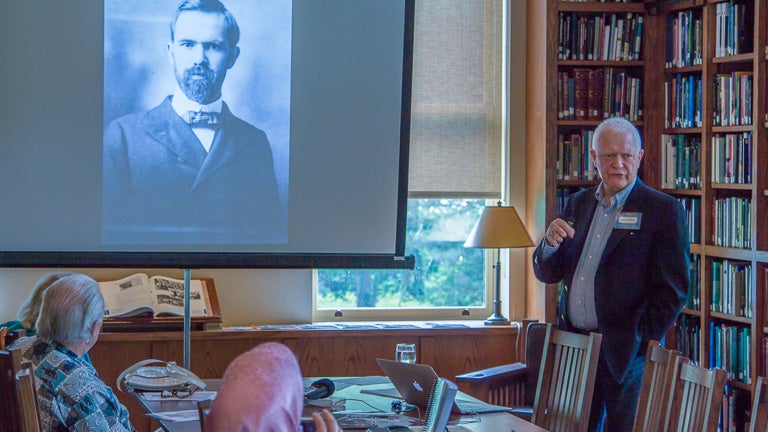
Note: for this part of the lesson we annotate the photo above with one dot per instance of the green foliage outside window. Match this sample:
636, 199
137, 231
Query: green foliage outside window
446, 274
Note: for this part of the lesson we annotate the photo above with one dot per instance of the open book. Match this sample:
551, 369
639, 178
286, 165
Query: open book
139, 294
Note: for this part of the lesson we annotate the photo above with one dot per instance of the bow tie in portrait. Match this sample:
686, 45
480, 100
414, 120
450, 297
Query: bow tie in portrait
203, 119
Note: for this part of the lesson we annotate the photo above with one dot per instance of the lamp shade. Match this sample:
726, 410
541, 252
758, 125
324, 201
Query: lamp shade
499, 227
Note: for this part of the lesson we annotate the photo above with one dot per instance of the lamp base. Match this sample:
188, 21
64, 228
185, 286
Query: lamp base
496, 320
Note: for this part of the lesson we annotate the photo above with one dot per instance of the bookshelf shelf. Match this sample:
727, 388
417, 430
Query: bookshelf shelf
601, 63
600, 7
684, 69
736, 58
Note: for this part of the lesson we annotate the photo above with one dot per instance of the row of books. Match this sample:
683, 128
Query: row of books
573, 159
693, 301
681, 161
610, 37
683, 101
729, 348
732, 24
692, 208
730, 288
731, 222
689, 335
598, 93
732, 158
684, 39
732, 103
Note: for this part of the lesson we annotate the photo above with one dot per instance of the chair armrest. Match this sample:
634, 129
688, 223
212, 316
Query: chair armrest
499, 385
511, 371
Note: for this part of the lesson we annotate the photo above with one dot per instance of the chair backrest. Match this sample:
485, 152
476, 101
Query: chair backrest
534, 346
203, 409
654, 390
566, 380
25, 379
9, 405
696, 397
3, 335
759, 421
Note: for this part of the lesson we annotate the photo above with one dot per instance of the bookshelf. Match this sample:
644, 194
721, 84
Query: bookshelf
725, 326
702, 70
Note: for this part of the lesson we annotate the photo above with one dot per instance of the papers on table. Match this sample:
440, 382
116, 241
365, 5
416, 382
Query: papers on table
177, 416
196, 396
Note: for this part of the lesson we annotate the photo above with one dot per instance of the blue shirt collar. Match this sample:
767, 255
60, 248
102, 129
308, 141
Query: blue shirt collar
620, 198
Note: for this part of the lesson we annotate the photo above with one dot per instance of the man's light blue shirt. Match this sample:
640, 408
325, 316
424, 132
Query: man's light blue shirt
581, 297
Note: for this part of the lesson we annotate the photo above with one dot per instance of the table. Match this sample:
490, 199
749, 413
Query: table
350, 391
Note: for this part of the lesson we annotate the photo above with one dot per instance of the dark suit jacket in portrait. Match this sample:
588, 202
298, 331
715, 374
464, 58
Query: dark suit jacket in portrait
642, 280
160, 186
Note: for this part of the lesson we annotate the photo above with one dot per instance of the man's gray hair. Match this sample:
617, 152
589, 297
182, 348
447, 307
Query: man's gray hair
618, 124
70, 307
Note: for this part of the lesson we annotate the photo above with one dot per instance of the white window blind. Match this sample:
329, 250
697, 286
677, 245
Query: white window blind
456, 121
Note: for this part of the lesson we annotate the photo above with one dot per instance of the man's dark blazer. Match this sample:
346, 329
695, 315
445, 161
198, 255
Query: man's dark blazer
642, 280
160, 185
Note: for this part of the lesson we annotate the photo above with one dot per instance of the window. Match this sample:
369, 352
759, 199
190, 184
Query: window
455, 170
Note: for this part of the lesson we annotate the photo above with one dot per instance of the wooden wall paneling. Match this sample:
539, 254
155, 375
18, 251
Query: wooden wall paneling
320, 353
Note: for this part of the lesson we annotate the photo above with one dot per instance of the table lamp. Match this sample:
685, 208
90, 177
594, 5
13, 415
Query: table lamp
498, 227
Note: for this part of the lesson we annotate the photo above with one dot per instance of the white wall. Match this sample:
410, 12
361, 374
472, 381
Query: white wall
246, 296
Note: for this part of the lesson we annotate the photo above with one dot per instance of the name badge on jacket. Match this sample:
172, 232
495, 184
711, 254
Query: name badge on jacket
628, 221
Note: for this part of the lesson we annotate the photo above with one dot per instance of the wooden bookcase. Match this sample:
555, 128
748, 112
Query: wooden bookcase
717, 245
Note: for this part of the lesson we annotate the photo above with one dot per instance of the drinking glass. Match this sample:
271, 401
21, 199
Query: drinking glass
406, 353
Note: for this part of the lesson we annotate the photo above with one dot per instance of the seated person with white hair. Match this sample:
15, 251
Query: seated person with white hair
70, 394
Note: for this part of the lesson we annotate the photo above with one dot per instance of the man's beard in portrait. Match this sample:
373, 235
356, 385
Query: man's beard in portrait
199, 83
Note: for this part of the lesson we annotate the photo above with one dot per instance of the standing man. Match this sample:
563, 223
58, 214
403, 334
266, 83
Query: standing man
189, 171
621, 249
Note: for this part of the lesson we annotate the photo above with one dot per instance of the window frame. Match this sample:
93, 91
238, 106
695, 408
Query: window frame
491, 256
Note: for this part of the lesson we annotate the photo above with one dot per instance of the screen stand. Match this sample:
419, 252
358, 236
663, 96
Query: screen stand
187, 318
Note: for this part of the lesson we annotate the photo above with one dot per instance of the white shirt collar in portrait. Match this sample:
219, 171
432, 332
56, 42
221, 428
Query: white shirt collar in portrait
181, 104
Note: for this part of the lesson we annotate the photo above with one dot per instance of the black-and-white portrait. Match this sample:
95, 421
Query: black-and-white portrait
196, 121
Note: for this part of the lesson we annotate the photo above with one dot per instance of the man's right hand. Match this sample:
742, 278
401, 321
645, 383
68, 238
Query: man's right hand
558, 231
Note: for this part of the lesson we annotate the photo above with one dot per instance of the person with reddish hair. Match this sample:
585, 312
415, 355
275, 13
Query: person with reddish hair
263, 391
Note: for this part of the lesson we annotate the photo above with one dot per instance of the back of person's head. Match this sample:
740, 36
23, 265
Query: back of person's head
209, 6
30, 309
70, 307
262, 391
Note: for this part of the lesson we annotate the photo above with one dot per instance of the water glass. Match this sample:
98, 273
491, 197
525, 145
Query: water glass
406, 353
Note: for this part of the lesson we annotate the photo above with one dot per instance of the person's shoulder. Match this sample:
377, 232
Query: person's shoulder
141, 116
240, 126
654, 195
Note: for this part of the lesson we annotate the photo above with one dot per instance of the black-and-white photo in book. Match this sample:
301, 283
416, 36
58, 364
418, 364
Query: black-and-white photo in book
139, 294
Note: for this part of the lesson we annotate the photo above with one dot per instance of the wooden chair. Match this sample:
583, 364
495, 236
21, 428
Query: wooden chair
511, 385
566, 381
203, 409
696, 396
3, 336
759, 421
654, 390
9, 405
25, 379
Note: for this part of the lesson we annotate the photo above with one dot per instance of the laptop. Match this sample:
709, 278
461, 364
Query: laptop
413, 382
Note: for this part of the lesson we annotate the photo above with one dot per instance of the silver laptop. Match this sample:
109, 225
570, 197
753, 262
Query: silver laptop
413, 382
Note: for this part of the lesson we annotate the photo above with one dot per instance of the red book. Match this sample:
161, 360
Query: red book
580, 85
595, 94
